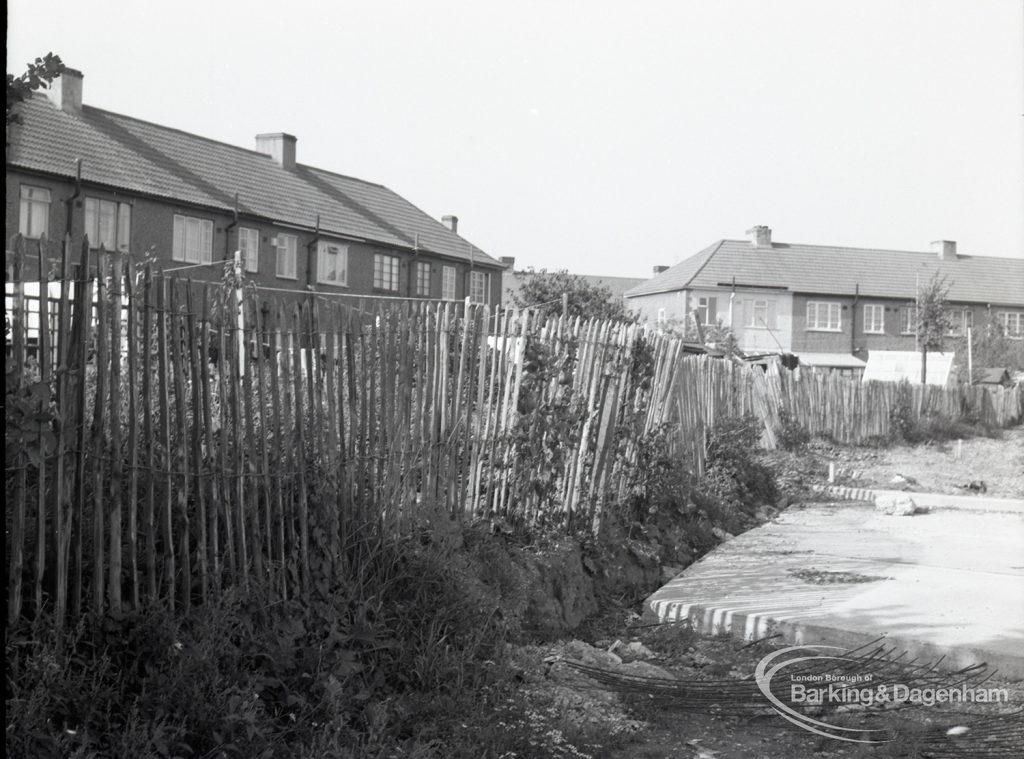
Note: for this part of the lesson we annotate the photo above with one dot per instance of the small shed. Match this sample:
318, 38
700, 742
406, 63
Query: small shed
994, 376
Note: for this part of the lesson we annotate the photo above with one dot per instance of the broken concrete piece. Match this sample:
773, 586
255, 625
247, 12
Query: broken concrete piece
899, 506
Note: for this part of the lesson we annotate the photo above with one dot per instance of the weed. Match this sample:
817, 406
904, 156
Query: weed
791, 435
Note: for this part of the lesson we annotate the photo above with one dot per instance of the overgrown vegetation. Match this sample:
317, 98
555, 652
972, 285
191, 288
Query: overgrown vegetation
407, 656
403, 653
906, 427
791, 434
544, 291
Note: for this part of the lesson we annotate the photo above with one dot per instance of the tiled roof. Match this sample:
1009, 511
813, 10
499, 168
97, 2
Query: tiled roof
826, 270
138, 156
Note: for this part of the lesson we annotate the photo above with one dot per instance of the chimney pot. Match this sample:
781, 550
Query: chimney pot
946, 249
659, 269
760, 236
452, 222
65, 91
279, 146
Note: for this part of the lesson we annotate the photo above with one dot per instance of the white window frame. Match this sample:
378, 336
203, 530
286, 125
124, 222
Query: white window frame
423, 279
874, 319
34, 211
1006, 318
385, 272
704, 310
662, 317
815, 322
960, 320
117, 234
908, 320
332, 263
286, 254
448, 283
249, 247
193, 240
479, 286
752, 316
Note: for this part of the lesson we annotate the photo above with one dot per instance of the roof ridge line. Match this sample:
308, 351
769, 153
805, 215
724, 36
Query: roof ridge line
718, 246
870, 250
185, 132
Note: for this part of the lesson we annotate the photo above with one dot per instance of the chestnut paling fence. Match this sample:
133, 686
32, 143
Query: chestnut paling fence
167, 438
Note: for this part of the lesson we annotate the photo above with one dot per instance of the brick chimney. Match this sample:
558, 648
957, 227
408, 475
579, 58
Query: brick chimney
760, 236
509, 261
659, 269
452, 222
65, 91
279, 146
946, 249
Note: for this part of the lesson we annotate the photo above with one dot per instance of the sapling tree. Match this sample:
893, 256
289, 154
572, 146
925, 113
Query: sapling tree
933, 318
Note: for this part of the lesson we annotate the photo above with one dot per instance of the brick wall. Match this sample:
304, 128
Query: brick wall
152, 228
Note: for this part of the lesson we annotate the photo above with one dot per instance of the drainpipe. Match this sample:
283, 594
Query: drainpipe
227, 231
411, 278
65, 264
70, 202
853, 320
309, 254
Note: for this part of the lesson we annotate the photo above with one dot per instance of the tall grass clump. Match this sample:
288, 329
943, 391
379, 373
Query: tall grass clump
399, 659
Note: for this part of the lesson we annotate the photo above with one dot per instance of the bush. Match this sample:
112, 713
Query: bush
395, 657
791, 435
733, 474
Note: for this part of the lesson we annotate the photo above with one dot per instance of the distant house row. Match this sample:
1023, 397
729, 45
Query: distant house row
128, 184
829, 305
131, 184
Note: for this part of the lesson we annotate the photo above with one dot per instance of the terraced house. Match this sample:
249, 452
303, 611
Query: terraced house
829, 305
132, 185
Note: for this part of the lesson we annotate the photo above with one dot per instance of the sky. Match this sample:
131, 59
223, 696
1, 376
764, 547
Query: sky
604, 138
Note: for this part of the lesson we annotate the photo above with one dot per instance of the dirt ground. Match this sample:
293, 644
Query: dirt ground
949, 467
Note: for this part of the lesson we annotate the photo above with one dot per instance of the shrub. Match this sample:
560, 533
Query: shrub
791, 435
732, 473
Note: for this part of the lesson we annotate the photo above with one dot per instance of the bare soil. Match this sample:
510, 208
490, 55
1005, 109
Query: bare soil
948, 467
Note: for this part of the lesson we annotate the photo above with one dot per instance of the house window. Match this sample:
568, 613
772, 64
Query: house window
448, 282
479, 286
908, 320
34, 213
662, 318
959, 321
193, 240
249, 248
823, 316
874, 319
757, 313
385, 272
1012, 323
286, 247
332, 264
108, 223
707, 310
422, 278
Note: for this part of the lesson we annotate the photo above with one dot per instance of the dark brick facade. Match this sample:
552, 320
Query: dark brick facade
152, 229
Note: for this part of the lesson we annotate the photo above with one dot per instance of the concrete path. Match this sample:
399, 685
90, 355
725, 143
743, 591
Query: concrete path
948, 583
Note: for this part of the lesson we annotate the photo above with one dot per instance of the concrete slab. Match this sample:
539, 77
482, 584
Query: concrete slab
949, 583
